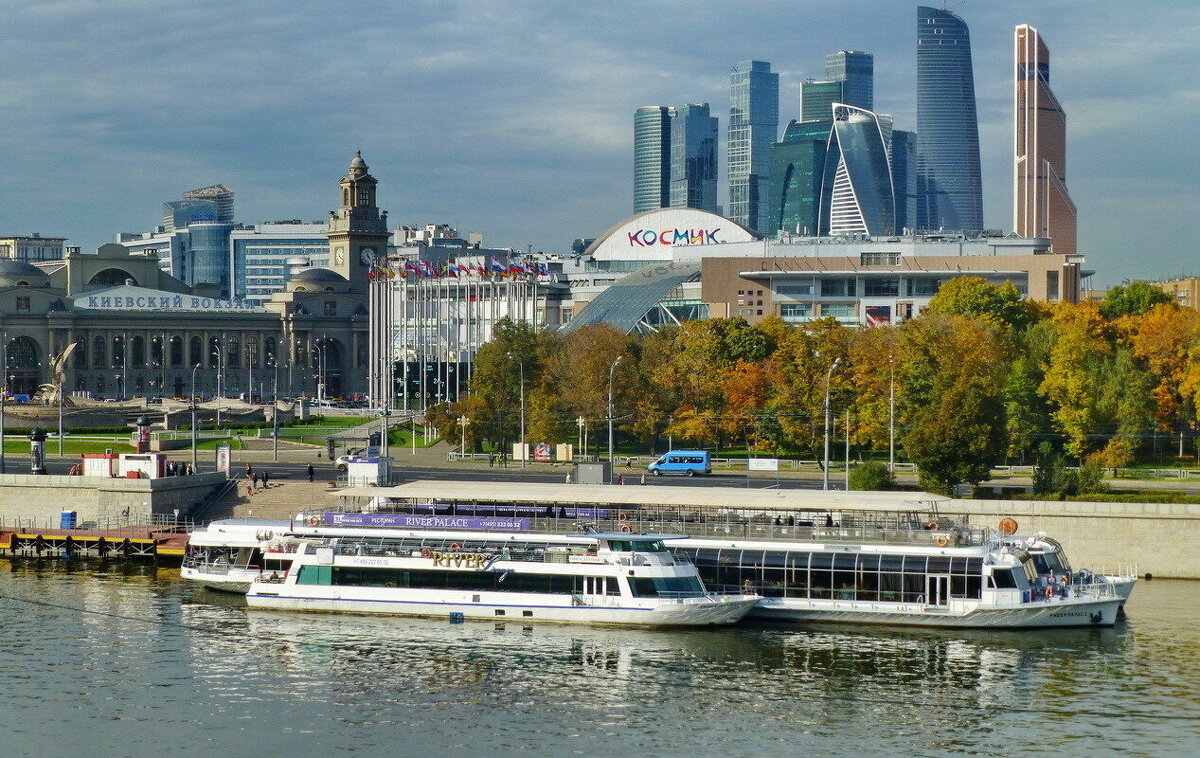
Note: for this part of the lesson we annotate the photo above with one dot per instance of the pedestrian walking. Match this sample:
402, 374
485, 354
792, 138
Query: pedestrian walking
491, 460
267, 478
190, 471
643, 479
254, 479
310, 472
249, 489
568, 477
249, 470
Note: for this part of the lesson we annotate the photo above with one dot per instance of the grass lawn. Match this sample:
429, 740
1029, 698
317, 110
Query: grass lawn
71, 447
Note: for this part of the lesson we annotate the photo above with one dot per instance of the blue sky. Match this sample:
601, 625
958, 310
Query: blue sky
515, 119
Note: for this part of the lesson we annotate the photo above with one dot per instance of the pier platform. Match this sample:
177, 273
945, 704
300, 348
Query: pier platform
132, 542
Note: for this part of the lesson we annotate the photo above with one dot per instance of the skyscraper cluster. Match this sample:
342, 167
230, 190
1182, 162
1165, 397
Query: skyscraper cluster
841, 168
674, 158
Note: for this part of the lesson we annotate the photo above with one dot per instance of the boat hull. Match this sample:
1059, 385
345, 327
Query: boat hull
1090, 612
677, 613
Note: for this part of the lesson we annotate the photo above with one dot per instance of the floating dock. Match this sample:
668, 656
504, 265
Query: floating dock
132, 542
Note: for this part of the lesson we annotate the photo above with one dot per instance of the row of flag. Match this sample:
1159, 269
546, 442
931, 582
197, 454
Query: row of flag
454, 269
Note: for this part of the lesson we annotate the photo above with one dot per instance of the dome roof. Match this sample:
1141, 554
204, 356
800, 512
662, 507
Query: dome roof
9, 267
12, 272
319, 275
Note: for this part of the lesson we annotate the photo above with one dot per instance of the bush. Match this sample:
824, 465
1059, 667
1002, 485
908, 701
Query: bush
871, 476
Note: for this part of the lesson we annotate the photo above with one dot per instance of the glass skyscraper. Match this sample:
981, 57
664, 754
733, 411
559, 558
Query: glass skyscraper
859, 199
753, 128
694, 158
797, 168
856, 70
652, 157
948, 178
904, 178
1042, 207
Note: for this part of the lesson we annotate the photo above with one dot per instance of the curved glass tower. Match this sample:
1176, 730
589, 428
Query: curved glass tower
948, 181
860, 199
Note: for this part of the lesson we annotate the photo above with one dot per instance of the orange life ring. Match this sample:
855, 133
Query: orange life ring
426, 552
314, 520
455, 546
932, 525
942, 540
625, 528
622, 516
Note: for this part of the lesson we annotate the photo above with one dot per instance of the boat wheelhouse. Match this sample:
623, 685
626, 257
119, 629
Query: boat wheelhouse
228, 554
614, 578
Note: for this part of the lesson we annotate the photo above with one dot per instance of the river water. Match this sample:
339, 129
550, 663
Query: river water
123, 660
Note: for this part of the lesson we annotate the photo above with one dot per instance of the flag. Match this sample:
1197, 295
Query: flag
543, 269
497, 266
409, 268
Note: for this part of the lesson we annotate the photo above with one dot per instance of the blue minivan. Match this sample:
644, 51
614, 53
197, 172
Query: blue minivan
689, 462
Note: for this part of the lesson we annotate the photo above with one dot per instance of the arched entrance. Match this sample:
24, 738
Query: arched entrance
23, 366
111, 277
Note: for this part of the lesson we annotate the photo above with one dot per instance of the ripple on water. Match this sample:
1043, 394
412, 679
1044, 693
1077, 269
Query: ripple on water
133, 662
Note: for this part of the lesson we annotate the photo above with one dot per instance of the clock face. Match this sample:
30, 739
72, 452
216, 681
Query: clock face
366, 255
339, 255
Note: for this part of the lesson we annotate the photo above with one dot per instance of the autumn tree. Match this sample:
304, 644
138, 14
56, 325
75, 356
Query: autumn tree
976, 297
1073, 380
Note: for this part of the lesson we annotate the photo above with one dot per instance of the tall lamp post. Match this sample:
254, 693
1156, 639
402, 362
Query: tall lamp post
892, 414
192, 402
463, 422
524, 449
611, 369
220, 372
581, 421
828, 377
3, 395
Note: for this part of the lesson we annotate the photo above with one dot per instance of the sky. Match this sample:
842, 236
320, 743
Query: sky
515, 118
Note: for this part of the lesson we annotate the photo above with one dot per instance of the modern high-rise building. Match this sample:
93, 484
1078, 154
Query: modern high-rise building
817, 99
904, 178
753, 128
694, 158
652, 157
856, 70
262, 257
948, 176
177, 214
1042, 207
849, 79
797, 170
857, 197
218, 193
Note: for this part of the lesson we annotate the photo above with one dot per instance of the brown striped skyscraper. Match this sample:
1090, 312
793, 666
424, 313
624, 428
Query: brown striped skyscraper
1042, 206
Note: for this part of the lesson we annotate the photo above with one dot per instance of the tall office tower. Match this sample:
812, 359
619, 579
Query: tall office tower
797, 169
948, 179
1042, 206
817, 99
856, 71
753, 128
219, 193
857, 195
652, 157
904, 178
694, 158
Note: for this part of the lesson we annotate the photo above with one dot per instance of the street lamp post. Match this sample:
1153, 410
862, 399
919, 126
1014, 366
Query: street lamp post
828, 377
524, 449
3, 395
581, 421
463, 422
611, 369
192, 402
220, 372
892, 415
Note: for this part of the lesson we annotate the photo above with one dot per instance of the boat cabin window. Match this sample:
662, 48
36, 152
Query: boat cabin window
834, 576
1005, 578
473, 581
640, 546
667, 586
1047, 562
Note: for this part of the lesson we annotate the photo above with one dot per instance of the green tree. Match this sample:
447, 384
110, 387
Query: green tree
871, 475
960, 436
1133, 299
976, 297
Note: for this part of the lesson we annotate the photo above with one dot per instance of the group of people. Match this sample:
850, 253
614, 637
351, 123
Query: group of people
253, 477
179, 468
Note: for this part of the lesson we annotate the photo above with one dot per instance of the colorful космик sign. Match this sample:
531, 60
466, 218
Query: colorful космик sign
650, 237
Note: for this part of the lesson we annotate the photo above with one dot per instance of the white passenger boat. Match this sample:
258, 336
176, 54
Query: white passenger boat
938, 574
599, 578
228, 554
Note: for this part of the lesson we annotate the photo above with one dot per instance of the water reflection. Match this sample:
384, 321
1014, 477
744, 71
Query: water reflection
100, 645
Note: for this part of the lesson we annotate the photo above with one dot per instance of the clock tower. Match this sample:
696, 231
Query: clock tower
358, 233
